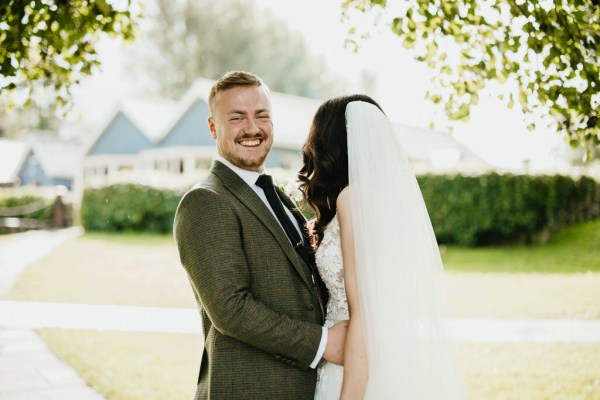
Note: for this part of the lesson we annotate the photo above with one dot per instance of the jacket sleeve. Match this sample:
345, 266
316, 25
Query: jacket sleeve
207, 232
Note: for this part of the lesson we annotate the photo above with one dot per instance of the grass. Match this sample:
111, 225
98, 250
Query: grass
131, 366
136, 239
142, 270
574, 249
549, 281
522, 295
527, 371
148, 366
6, 236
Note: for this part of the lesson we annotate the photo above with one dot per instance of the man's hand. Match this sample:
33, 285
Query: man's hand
336, 339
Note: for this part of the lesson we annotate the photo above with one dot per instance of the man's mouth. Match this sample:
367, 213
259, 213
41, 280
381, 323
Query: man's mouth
250, 142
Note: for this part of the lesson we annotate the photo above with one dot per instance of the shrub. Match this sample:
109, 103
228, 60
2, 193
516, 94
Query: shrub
495, 209
42, 208
129, 207
464, 210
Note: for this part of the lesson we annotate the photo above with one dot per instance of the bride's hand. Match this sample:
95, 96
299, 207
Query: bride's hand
336, 339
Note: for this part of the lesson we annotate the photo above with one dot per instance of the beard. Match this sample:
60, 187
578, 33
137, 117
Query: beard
250, 158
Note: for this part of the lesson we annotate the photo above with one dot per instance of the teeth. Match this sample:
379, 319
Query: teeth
250, 143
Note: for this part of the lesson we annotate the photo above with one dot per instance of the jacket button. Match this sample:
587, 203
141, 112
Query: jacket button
278, 357
293, 363
310, 307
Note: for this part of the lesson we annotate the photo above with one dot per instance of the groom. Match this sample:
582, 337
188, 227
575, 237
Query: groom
260, 297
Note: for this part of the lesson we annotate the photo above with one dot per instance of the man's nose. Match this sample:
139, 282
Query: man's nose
251, 126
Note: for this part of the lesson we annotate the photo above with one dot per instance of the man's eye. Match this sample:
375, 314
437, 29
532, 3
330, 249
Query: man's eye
236, 119
263, 117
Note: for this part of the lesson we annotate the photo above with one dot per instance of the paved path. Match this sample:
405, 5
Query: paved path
34, 315
28, 369
23, 249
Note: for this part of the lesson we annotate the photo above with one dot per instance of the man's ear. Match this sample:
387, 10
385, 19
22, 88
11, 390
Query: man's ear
211, 127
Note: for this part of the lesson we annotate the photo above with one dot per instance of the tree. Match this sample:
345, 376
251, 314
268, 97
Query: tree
202, 38
47, 46
548, 48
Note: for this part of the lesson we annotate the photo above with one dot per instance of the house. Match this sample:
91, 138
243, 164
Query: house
167, 143
41, 160
12, 156
435, 152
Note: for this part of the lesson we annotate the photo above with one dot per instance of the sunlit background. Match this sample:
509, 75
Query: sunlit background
494, 138
383, 68
88, 266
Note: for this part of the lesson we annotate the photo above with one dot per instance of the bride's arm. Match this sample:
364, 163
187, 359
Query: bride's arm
355, 354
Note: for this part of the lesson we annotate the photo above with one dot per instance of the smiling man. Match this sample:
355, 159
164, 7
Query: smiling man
241, 123
247, 254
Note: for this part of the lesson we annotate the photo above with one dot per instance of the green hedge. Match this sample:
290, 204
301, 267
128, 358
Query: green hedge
14, 203
465, 210
129, 207
496, 209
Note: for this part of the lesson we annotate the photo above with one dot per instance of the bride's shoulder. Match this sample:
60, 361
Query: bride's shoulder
343, 201
343, 198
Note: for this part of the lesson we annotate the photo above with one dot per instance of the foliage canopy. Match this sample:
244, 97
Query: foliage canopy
51, 44
549, 48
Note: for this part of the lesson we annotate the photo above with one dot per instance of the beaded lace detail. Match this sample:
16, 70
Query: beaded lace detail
331, 268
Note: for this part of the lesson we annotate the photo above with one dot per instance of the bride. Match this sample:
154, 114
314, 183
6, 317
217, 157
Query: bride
378, 255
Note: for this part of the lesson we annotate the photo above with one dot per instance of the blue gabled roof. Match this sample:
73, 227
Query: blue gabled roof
191, 128
120, 136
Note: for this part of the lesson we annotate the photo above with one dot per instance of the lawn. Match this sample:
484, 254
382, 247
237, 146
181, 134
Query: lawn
136, 366
131, 366
6, 236
527, 371
573, 249
141, 270
144, 270
550, 281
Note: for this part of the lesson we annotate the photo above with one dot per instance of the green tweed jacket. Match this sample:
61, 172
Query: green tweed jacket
261, 320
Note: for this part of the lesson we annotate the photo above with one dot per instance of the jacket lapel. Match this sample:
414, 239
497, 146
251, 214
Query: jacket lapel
250, 199
308, 253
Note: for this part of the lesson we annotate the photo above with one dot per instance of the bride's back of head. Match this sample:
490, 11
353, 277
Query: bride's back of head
325, 155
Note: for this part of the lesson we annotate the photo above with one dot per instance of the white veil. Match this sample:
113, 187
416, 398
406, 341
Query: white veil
400, 274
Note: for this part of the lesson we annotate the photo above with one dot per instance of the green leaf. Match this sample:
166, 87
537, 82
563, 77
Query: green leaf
41, 55
432, 48
511, 102
408, 43
523, 98
462, 113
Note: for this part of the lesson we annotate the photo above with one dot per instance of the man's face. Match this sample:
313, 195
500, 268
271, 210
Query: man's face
241, 124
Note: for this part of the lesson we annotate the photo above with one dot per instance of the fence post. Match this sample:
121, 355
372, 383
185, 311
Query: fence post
59, 219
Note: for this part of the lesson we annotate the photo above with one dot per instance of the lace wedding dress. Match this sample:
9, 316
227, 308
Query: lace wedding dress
331, 268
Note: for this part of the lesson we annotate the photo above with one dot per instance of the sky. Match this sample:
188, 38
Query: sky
495, 133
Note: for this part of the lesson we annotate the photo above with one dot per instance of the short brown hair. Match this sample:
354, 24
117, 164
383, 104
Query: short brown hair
233, 79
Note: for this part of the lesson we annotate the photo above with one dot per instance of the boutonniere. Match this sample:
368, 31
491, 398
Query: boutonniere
292, 190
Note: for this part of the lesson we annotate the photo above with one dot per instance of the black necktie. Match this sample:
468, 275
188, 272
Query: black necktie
266, 183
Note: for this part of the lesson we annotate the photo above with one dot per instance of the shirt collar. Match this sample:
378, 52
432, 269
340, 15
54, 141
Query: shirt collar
249, 177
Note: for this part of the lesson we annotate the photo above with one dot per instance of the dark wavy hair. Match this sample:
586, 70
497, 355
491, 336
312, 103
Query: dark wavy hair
325, 155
